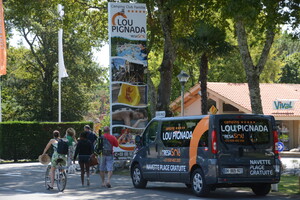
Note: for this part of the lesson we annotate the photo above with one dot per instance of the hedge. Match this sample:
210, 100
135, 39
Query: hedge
27, 140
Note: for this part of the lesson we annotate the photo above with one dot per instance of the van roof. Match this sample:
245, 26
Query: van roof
202, 116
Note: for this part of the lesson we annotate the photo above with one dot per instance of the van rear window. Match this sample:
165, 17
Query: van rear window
245, 132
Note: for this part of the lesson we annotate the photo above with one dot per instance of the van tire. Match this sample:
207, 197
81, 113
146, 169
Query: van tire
137, 177
199, 186
261, 189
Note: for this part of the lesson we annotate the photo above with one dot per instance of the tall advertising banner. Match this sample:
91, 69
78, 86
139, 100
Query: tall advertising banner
128, 65
2, 42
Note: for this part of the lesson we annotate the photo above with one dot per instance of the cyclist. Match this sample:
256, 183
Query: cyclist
55, 156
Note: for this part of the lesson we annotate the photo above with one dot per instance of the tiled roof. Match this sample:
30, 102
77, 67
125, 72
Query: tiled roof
238, 93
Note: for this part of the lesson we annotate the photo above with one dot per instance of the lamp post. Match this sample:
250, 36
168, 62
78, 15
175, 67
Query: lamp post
183, 78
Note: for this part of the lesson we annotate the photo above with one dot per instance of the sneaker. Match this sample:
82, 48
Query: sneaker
49, 187
108, 185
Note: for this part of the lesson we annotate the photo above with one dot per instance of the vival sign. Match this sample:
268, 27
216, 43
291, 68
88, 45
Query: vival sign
284, 104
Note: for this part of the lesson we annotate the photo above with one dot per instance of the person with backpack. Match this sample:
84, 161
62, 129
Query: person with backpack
59, 152
106, 156
70, 135
85, 149
91, 136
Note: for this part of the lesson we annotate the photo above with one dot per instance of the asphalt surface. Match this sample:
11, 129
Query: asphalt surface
24, 181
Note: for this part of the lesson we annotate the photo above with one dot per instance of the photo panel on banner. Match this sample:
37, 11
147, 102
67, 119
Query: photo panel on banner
132, 95
124, 70
126, 139
129, 117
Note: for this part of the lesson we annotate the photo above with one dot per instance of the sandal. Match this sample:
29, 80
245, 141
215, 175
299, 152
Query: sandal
49, 187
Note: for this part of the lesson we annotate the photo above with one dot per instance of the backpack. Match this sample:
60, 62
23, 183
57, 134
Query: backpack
99, 146
62, 146
103, 146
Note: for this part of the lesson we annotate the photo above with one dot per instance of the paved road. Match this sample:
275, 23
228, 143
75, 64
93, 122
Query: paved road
25, 181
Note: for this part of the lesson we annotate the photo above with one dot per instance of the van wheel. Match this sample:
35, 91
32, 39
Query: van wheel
199, 186
261, 189
137, 177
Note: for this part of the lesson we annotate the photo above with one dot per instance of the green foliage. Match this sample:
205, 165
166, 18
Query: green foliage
291, 71
31, 86
27, 140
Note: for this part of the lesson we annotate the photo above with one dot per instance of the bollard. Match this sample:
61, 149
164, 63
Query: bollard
274, 187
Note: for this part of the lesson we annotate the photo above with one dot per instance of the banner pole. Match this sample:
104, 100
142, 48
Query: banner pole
0, 98
59, 99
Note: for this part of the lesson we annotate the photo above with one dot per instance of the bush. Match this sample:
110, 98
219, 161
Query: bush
27, 140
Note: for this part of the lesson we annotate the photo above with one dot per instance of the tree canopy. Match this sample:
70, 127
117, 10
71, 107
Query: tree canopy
260, 52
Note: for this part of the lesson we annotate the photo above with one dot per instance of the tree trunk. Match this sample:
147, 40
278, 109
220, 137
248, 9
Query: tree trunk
152, 96
203, 82
166, 67
47, 107
253, 72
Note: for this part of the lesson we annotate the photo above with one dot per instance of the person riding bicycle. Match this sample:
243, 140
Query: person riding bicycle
55, 156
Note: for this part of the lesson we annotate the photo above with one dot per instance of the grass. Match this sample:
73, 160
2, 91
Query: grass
289, 185
122, 172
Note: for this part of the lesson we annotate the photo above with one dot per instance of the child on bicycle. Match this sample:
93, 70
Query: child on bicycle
53, 142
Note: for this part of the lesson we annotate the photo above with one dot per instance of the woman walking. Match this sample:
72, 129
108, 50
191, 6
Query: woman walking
70, 135
84, 148
53, 142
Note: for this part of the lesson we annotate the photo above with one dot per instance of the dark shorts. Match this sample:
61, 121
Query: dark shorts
84, 158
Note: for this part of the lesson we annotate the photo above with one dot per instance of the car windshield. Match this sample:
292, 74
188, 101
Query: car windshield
248, 132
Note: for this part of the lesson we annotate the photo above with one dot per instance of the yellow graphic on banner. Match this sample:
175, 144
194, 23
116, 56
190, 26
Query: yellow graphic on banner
129, 94
213, 110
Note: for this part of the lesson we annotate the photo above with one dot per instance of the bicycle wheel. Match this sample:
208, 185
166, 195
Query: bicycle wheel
47, 177
61, 180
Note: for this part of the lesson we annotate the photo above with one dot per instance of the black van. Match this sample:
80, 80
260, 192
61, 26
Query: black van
209, 151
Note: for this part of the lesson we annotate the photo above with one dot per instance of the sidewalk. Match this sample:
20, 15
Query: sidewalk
291, 165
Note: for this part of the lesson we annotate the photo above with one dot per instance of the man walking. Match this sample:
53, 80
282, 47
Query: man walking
107, 157
91, 136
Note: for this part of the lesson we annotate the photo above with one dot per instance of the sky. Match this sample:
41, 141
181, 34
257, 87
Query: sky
101, 56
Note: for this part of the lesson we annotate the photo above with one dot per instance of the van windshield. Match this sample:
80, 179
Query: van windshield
248, 132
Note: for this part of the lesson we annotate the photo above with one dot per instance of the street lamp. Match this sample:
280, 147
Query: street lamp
183, 78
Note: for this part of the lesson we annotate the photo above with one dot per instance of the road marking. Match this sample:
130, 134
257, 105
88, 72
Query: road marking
19, 190
12, 174
16, 190
4, 188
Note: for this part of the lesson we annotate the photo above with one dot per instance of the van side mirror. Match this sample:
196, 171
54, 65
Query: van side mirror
138, 140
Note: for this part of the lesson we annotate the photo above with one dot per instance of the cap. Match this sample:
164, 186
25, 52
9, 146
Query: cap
106, 129
87, 127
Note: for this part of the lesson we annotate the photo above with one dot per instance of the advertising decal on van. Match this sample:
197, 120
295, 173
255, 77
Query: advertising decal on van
258, 167
200, 129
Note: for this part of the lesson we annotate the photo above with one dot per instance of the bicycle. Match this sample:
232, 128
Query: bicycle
60, 176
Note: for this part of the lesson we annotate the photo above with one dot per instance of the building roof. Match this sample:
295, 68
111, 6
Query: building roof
237, 94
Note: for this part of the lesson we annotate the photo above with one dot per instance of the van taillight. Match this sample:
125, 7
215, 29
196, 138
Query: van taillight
275, 138
214, 141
